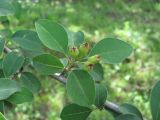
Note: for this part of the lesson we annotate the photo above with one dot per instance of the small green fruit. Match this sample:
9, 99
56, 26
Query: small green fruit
94, 59
73, 51
88, 66
84, 49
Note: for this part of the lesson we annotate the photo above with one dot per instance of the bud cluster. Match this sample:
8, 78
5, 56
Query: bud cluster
80, 52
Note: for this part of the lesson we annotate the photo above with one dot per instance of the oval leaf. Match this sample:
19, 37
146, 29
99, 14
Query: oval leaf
47, 64
112, 50
155, 101
21, 97
52, 35
11, 63
81, 88
28, 40
101, 95
97, 72
130, 109
30, 81
75, 112
7, 88
2, 117
128, 117
6, 8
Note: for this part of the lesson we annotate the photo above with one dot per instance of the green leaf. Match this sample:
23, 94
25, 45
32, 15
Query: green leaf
21, 97
7, 88
75, 38
2, 117
81, 88
101, 95
2, 42
47, 64
52, 35
128, 117
75, 112
30, 81
6, 8
11, 63
155, 101
111, 50
28, 40
130, 109
97, 72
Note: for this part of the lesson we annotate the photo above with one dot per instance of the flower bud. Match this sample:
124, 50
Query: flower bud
94, 59
73, 51
88, 66
84, 49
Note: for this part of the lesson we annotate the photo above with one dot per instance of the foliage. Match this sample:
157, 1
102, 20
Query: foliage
50, 39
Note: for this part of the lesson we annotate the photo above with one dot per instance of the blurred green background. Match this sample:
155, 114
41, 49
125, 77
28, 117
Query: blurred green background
134, 21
